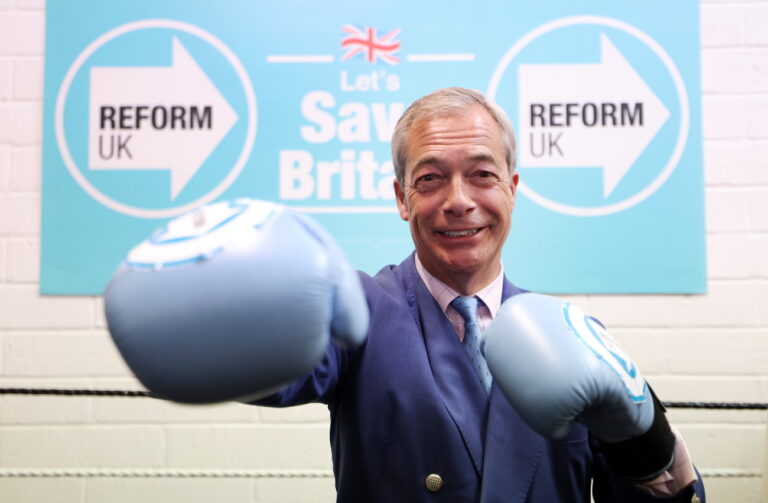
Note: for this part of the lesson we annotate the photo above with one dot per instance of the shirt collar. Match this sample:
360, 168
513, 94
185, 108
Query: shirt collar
444, 294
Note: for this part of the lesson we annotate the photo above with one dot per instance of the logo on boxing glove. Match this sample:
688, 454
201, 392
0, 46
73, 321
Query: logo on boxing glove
600, 342
201, 234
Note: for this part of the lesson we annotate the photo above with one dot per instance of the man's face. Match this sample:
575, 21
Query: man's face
458, 197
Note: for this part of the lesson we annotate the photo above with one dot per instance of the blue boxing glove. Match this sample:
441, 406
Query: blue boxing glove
557, 365
233, 302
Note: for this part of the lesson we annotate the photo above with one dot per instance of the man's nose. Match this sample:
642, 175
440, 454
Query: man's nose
458, 197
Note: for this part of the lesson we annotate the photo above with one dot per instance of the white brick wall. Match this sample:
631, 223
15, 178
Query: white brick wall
711, 347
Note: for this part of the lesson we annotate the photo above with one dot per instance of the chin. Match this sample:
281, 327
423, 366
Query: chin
465, 265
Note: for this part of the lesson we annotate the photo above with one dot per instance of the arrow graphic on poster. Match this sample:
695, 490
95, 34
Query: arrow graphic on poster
156, 118
587, 115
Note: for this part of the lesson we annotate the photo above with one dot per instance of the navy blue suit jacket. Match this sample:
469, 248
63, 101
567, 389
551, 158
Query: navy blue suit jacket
408, 404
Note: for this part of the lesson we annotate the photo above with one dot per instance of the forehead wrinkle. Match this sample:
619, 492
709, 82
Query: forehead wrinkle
446, 136
436, 126
437, 159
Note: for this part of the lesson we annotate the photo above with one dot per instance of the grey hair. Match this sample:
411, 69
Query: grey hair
446, 102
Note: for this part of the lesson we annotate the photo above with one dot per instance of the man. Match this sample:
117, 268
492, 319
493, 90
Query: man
415, 415
409, 418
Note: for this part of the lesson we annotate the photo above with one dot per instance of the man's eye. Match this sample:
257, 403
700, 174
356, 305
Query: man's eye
430, 181
485, 177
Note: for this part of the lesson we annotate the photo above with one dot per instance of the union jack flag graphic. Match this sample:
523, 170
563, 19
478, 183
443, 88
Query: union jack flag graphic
358, 41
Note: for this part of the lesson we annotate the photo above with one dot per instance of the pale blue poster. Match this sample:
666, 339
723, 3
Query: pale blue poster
155, 108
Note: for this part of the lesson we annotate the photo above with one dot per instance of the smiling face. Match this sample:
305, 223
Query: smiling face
458, 197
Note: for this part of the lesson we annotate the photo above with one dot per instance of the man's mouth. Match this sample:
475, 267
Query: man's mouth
461, 234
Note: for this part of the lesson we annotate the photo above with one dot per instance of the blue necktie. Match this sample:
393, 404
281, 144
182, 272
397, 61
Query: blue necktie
467, 308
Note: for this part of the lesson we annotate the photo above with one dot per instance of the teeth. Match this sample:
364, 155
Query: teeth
458, 234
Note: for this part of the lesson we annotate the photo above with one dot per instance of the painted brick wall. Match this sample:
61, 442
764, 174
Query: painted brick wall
711, 347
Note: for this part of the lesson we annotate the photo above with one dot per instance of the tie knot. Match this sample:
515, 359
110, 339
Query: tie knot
466, 307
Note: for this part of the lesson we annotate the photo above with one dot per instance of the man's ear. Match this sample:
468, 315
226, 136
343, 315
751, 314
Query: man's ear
400, 196
513, 187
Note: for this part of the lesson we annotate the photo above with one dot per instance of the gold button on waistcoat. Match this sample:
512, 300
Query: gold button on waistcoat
695, 499
433, 482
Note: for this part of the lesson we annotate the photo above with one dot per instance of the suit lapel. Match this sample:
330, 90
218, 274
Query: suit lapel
494, 434
456, 381
512, 449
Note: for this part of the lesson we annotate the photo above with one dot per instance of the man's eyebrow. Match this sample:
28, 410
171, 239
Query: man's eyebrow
438, 161
482, 156
432, 159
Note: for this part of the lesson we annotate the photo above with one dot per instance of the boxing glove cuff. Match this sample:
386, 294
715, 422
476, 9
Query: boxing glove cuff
646, 456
